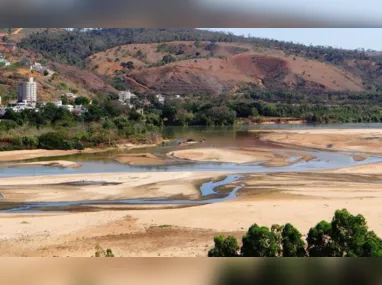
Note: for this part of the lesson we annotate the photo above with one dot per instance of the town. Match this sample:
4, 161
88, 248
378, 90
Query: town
27, 99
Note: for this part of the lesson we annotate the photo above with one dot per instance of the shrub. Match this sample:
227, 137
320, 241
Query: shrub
224, 247
54, 140
100, 252
30, 141
78, 145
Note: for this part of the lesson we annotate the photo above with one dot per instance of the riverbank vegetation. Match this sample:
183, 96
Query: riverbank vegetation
103, 124
345, 236
107, 122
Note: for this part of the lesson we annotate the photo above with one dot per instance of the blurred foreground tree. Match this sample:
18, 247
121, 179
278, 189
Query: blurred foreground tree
345, 236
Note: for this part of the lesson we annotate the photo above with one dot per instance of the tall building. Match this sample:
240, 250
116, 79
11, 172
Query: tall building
27, 91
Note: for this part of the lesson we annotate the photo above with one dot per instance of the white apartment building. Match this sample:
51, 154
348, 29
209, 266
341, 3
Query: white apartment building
125, 96
27, 91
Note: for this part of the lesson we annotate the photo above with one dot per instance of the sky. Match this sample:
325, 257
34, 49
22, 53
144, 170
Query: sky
348, 38
350, 10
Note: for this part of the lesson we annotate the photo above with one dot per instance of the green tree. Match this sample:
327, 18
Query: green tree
54, 140
82, 101
30, 141
130, 65
65, 100
319, 240
259, 242
14, 116
224, 247
46, 72
277, 230
292, 243
109, 253
346, 235
168, 59
351, 235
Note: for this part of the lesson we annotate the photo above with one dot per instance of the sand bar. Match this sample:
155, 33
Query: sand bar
139, 159
53, 163
352, 140
268, 157
302, 199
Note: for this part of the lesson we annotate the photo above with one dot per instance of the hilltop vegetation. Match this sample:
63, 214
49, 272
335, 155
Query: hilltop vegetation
277, 65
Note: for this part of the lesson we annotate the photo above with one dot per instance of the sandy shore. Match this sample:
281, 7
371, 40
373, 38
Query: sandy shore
16, 155
139, 159
302, 199
36, 153
354, 140
53, 163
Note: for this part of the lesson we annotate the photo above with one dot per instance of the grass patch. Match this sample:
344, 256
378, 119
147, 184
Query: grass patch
25, 223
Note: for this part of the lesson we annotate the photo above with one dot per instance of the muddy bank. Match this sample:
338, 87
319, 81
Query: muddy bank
16, 155
139, 159
274, 121
55, 163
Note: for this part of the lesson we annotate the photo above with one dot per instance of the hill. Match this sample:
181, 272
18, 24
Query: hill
218, 68
191, 61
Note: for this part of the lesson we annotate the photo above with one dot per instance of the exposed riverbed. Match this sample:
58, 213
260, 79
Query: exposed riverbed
223, 138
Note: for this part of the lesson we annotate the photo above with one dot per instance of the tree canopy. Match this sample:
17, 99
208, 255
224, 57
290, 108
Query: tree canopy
345, 236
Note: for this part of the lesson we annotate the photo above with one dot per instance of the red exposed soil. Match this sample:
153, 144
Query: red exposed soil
221, 68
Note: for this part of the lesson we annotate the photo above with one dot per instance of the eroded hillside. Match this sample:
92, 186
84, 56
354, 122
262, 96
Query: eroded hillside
204, 67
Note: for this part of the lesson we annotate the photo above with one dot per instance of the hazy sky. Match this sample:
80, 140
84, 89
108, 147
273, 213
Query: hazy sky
343, 38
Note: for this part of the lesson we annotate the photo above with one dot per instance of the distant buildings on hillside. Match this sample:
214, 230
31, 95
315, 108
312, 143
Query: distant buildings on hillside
126, 96
69, 95
160, 98
38, 67
4, 60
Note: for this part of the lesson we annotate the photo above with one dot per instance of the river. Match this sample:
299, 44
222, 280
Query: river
214, 137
